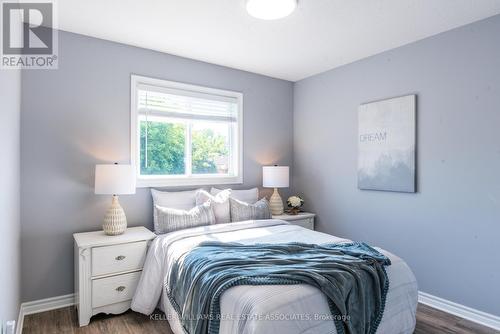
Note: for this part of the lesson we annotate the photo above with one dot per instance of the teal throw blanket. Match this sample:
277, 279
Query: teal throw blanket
352, 276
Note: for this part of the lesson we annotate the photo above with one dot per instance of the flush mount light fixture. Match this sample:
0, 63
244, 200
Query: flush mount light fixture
270, 9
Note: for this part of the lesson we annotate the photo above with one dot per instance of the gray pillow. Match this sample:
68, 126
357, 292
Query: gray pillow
241, 211
182, 200
169, 220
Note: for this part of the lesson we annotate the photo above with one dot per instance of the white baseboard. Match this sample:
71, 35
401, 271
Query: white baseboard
447, 306
43, 305
20, 321
459, 310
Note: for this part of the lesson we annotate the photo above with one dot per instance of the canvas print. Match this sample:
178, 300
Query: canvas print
386, 156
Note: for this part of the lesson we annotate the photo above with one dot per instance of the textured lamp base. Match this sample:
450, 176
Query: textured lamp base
115, 221
276, 203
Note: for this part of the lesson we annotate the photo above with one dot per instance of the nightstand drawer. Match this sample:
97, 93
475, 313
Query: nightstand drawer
306, 223
115, 289
303, 219
107, 270
118, 258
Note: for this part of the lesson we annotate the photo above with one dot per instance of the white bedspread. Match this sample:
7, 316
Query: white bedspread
273, 309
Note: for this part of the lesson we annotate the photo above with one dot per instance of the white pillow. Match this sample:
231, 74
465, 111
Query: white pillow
170, 220
180, 200
249, 196
219, 203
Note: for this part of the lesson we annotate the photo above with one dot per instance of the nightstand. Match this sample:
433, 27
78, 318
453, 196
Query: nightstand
304, 219
107, 270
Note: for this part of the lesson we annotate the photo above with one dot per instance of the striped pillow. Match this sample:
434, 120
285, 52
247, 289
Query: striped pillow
241, 211
169, 220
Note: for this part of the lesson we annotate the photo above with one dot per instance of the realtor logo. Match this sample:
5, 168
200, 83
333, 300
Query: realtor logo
29, 35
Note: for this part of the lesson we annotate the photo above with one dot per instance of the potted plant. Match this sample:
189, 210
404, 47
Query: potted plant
294, 203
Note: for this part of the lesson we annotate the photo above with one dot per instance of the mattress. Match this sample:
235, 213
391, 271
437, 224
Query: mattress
274, 308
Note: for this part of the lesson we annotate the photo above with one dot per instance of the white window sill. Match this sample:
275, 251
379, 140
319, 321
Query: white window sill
146, 182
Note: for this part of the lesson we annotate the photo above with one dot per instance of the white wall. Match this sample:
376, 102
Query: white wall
10, 105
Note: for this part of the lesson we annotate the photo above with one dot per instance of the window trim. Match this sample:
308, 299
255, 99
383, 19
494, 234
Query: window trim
144, 181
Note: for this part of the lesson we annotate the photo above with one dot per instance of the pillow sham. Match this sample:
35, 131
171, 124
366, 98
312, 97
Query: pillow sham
241, 211
169, 220
219, 203
181, 200
248, 196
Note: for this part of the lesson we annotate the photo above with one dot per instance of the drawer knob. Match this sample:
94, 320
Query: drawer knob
120, 288
119, 258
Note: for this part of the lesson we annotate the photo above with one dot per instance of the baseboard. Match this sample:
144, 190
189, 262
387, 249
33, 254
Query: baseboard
43, 305
20, 320
459, 310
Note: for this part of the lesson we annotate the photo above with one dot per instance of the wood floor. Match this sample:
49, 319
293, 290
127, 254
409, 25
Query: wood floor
429, 321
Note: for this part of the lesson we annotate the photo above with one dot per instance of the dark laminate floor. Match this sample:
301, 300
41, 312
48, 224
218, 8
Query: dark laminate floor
429, 321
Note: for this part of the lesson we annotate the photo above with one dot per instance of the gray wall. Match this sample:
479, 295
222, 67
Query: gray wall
449, 231
10, 237
78, 116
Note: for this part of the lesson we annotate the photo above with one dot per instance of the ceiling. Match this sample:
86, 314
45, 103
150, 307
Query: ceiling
318, 36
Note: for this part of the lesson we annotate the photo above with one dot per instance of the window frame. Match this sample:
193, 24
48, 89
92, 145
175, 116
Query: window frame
191, 179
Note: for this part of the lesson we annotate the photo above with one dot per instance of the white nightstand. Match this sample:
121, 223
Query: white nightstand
304, 219
107, 270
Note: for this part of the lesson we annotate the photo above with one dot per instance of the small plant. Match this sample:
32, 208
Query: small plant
294, 203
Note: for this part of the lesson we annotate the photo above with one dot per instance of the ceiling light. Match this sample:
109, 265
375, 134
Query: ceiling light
270, 9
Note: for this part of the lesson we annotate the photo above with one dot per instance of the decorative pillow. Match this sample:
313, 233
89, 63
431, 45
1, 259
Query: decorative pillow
248, 196
219, 203
169, 220
181, 200
243, 211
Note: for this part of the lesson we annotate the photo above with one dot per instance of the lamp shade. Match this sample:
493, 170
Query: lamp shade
114, 179
275, 176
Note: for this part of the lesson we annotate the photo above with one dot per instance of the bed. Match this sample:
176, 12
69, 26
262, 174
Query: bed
272, 308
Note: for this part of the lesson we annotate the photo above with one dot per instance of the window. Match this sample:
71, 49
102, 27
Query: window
184, 134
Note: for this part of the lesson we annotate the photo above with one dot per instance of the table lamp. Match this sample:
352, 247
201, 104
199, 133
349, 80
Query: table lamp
275, 177
114, 180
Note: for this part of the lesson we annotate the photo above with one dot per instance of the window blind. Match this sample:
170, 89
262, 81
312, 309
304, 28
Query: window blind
177, 103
